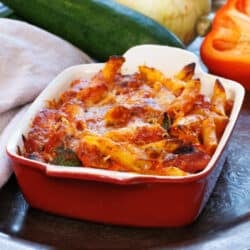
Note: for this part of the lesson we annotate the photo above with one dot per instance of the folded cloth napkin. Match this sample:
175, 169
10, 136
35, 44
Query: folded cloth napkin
29, 59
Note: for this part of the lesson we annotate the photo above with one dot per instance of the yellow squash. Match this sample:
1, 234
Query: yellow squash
179, 16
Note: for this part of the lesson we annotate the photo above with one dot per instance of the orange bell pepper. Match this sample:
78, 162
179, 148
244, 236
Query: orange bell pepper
226, 48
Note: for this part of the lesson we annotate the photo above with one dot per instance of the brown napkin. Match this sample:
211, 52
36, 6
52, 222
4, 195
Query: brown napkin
29, 59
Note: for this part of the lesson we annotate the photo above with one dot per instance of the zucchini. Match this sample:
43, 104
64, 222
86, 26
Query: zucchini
99, 27
5, 11
66, 157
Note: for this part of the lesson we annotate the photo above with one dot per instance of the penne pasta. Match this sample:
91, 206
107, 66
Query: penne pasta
209, 137
186, 73
127, 156
219, 99
145, 122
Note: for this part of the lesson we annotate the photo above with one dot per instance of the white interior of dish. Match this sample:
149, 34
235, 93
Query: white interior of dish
167, 59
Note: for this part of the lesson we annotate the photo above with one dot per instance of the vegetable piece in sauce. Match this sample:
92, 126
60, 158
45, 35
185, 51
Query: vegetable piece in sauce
65, 157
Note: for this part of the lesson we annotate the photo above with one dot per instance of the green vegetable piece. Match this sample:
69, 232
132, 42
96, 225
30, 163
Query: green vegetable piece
166, 123
66, 157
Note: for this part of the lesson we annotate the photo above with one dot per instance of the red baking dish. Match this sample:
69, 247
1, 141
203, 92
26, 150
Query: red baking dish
118, 197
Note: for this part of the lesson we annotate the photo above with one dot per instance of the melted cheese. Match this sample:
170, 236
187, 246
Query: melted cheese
121, 122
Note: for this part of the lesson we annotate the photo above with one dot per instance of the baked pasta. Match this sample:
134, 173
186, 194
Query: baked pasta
145, 122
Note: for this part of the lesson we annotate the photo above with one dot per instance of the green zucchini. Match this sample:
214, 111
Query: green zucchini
99, 27
5, 11
66, 157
